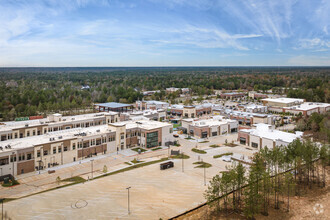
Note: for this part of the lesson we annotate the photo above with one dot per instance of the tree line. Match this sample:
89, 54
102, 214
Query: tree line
31, 91
274, 175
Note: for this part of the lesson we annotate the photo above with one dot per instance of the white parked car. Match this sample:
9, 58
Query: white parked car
226, 158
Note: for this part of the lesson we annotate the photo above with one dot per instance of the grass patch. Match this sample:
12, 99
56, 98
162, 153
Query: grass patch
220, 155
231, 145
132, 167
135, 161
157, 148
188, 138
214, 145
204, 142
177, 145
75, 179
12, 183
128, 163
202, 164
198, 151
137, 149
180, 156
176, 125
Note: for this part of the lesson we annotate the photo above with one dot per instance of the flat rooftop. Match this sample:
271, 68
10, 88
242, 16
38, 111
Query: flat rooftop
283, 100
308, 106
265, 131
153, 102
113, 105
11, 125
68, 134
245, 114
144, 124
216, 121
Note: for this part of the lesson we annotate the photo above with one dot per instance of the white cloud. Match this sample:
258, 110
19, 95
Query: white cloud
315, 43
305, 60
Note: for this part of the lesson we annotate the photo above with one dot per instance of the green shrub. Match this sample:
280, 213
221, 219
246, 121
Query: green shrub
180, 156
202, 164
214, 145
198, 151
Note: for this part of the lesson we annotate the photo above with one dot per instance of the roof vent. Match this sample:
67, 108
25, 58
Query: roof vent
1, 148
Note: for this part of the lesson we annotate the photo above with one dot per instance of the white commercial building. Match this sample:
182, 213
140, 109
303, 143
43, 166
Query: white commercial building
214, 126
263, 135
282, 102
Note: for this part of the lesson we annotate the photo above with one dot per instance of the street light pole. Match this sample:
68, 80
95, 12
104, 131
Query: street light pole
13, 164
82, 142
182, 162
62, 149
204, 177
129, 212
92, 167
2, 208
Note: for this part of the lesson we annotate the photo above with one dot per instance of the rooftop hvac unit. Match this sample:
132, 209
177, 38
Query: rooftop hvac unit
60, 137
1, 148
98, 130
64, 119
41, 122
50, 139
72, 119
26, 125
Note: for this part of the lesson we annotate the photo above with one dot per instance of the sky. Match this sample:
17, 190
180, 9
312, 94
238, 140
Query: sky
68, 33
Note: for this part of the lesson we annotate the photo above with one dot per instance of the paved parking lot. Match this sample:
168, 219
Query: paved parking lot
154, 194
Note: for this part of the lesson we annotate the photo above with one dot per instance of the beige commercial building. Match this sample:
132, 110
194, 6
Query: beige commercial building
54, 122
45, 151
262, 135
282, 102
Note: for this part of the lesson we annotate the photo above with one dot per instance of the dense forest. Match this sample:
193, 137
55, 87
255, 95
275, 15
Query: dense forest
31, 91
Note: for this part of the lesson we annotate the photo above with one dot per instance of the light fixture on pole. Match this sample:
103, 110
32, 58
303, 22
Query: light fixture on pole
128, 208
92, 167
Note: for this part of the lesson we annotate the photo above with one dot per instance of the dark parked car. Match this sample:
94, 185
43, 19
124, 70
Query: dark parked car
164, 166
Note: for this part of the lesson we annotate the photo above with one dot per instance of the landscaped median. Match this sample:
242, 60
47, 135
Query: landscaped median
224, 154
214, 145
138, 148
11, 183
198, 151
132, 167
180, 156
202, 164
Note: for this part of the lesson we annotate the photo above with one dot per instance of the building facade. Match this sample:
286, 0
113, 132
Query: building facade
209, 127
262, 135
54, 122
18, 156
